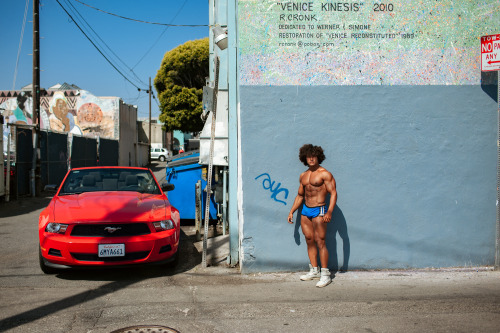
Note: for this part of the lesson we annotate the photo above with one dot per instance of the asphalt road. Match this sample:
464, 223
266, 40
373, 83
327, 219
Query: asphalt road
159, 170
190, 298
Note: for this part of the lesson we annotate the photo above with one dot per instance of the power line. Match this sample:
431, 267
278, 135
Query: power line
141, 21
84, 22
20, 44
97, 48
105, 44
159, 37
156, 101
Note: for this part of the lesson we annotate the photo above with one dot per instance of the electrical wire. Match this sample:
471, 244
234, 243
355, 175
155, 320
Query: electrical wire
105, 45
132, 100
156, 101
20, 44
161, 35
97, 48
141, 21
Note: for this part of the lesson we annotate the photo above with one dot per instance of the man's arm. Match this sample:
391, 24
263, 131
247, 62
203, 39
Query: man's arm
297, 202
332, 189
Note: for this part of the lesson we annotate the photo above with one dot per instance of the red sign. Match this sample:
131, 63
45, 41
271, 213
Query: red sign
490, 53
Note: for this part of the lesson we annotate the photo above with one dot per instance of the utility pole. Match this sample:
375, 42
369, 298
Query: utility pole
35, 171
149, 136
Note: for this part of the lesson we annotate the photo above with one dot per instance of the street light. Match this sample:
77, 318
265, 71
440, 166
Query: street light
220, 37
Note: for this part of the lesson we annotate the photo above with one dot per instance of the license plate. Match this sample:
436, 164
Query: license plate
111, 250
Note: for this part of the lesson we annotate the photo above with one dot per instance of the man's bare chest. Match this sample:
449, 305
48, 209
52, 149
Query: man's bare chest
313, 180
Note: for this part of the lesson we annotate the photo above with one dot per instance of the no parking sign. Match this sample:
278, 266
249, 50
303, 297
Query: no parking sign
490, 53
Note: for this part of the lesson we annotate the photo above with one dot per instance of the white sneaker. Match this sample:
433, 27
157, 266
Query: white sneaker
325, 278
313, 274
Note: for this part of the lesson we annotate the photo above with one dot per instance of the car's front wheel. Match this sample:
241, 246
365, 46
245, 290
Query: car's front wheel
46, 269
162, 158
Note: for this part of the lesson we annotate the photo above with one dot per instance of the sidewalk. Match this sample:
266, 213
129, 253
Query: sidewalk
216, 299
191, 298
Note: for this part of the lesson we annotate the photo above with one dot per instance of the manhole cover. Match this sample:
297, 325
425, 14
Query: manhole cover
146, 329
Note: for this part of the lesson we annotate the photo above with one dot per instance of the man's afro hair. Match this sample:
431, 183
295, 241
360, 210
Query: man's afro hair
310, 150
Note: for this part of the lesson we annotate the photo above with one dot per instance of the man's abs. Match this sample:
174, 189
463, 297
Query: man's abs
315, 198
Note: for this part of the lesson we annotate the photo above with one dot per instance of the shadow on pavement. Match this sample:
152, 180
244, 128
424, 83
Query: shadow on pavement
48, 309
188, 259
157, 166
23, 205
119, 278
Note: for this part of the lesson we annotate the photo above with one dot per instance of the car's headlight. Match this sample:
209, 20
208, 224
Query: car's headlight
163, 225
56, 228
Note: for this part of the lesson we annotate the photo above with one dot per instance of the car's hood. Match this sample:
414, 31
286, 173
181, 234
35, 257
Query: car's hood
110, 207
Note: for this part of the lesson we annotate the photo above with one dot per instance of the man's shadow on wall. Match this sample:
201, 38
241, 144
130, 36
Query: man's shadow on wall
337, 225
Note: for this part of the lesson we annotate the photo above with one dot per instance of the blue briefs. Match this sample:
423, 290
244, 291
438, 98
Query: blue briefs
312, 212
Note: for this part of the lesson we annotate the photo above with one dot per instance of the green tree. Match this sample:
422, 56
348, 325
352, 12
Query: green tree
179, 83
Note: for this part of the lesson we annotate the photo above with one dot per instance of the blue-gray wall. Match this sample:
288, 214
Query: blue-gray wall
415, 168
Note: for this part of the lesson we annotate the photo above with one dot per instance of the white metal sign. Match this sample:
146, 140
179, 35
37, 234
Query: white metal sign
490, 53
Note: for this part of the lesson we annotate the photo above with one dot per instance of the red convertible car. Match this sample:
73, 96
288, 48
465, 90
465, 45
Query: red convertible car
108, 216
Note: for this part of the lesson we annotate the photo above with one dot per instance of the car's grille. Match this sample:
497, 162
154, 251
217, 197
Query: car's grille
110, 230
95, 257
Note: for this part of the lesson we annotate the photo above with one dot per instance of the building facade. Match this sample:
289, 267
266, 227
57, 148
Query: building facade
393, 92
69, 109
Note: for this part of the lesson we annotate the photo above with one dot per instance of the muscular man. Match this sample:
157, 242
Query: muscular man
315, 183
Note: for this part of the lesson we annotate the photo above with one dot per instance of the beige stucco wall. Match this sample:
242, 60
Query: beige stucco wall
127, 134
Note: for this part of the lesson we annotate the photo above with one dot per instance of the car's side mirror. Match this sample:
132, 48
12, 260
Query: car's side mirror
50, 188
167, 187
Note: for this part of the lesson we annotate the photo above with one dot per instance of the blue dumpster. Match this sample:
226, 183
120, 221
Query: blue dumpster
184, 172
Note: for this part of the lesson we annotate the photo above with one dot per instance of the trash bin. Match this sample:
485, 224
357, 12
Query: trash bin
184, 173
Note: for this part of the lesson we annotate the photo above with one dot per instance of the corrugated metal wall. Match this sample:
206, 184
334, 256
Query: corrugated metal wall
83, 152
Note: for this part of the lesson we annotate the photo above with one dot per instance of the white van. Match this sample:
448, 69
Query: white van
159, 154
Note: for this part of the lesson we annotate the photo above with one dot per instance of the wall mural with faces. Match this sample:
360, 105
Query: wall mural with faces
17, 109
76, 112
61, 118
97, 116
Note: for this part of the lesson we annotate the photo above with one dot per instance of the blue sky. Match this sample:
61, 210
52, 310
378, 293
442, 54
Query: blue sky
66, 55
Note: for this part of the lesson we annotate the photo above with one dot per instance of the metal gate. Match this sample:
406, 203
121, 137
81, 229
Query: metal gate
53, 157
2, 180
108, 152
24, 158
83, 152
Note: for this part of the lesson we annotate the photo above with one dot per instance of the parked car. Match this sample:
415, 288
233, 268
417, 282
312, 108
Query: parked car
159, 154
108, 216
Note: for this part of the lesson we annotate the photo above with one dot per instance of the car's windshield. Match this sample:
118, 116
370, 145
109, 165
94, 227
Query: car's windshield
109, 179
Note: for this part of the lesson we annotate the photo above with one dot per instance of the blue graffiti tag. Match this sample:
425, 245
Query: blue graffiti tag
267, 184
